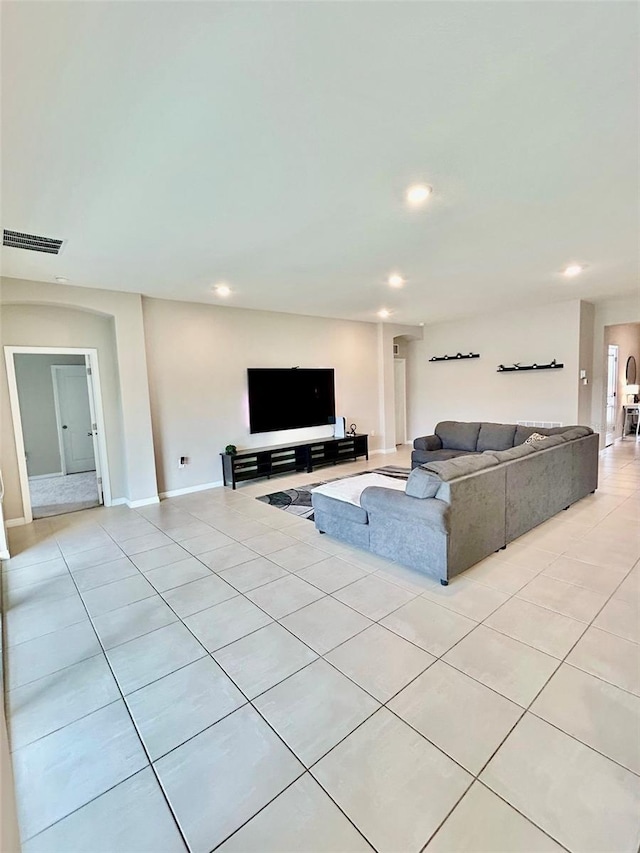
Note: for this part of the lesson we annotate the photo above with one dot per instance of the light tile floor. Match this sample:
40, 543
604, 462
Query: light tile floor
211, 673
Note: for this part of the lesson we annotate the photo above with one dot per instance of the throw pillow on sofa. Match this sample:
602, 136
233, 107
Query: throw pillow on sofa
421, 484
535, 436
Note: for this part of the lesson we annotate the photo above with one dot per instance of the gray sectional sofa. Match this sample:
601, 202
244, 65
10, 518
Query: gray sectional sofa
457, 510
458, 438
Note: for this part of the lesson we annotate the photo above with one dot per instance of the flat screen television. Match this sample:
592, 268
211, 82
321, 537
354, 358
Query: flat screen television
290, 398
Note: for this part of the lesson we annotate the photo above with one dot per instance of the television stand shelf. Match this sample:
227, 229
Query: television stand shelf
256, 462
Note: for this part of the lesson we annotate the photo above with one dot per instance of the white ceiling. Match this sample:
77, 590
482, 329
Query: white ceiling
268, 145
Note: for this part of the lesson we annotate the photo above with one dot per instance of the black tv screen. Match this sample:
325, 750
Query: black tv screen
290, 398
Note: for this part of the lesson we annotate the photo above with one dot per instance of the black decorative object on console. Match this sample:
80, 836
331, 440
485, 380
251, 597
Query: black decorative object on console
455, 357
553, 365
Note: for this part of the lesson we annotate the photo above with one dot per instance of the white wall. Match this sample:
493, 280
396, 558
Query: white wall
35, 308
37, 410
198, 356
473, 389
585, 362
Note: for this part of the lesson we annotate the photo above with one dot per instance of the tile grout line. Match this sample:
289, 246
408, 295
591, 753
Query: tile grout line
519, 720
250, 702
141, 741
373, 622
267, 722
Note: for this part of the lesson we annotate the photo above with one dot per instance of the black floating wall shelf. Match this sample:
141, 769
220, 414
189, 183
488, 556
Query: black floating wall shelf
554, 365
455, 357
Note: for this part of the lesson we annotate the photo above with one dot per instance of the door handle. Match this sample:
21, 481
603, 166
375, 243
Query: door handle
90, 434
64, 426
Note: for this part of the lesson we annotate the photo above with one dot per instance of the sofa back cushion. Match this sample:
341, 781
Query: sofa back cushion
549, 441
422, 484
512, 453
523, 432
452, 469
577, 432
495, 436
457, 435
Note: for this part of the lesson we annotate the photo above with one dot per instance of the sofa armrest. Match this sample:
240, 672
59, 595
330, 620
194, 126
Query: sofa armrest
427, 442
401, 506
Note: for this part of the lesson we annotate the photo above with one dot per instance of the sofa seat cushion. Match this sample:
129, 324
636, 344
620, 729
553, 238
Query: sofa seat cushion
512, 453
458, 435
343, 496
452, 469
422, 484
496, 436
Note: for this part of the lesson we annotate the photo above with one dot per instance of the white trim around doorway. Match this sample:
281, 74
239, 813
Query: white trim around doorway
91, 358
402, 364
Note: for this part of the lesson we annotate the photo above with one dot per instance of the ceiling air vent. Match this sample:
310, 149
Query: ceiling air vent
19, 240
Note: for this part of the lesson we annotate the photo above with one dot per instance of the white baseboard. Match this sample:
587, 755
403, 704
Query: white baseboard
134, 504
383, 452
143, 502
15, 522
46, 476
174, 493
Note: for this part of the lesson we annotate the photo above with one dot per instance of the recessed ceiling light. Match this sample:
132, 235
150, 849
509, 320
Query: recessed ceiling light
395, 280
384, 313
61, 279
421, 324
418, 194
222, 290
572, 270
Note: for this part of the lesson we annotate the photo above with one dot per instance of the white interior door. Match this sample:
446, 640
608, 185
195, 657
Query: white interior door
612, 385
400, 393
73, 412
94, 427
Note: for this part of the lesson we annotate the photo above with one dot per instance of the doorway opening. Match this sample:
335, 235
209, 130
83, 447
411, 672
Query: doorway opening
58, 427
622, 355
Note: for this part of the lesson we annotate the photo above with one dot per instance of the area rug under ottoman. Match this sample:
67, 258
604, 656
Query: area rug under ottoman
298, 501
